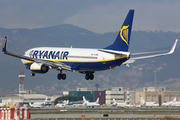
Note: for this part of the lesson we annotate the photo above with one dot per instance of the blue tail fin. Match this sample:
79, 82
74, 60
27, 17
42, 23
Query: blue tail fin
123, 38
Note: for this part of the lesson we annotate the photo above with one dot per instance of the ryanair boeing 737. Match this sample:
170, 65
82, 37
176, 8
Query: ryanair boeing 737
87, 61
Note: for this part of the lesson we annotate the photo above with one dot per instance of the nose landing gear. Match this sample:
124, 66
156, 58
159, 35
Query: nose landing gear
32, 74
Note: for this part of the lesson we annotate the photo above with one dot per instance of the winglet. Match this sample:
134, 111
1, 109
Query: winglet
173, 47
4, 44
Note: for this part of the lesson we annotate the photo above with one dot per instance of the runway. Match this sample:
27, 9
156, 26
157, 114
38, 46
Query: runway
100, 116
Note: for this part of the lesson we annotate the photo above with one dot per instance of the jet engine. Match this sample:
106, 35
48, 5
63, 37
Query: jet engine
39, 68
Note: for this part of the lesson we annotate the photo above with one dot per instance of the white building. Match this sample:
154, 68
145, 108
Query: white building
26, 98
130, 97
117, 93
120, 94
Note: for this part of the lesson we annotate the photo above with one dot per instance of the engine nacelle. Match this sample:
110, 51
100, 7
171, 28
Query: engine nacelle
39, 68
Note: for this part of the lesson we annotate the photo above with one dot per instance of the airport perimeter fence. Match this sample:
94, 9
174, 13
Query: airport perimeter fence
165, 118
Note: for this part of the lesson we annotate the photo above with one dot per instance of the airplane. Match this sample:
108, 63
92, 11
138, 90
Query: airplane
170, 103
86, 61
91, 104
62, 105
10, 106
38, 104
175, 104
149, 104
122, 105
78, 105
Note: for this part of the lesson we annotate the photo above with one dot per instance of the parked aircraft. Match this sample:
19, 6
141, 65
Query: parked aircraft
9, 104
91, 104
38, 104
121, 105
175, 104
86, 61
170, 103
62, 105
78, 105
149, 104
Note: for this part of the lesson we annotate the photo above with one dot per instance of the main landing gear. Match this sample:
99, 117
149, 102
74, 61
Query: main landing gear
61, 76
89, 76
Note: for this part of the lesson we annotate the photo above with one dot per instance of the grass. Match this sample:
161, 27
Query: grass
165, 118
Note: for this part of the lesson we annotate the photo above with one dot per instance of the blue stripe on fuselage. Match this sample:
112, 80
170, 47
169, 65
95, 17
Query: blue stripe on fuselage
91, 66
95, 66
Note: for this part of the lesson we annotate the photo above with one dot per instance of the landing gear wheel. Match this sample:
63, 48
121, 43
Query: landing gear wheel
32, 74
63, 76
91, 76
87, 76
59, 76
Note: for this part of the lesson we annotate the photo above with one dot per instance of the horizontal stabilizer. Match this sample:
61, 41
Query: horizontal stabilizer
115, 52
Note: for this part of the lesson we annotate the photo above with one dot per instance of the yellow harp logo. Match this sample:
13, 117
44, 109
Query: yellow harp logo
124, 34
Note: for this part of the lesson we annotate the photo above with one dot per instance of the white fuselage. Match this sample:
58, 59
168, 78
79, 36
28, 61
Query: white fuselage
59, 105
78, 58
37, 105
92, 104
151, 104
167, 103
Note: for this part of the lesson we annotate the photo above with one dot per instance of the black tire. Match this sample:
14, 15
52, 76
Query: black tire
59, 76
91, 76
63, 76
32, 74
87, 76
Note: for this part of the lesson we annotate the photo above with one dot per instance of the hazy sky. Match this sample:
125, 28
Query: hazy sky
95, 15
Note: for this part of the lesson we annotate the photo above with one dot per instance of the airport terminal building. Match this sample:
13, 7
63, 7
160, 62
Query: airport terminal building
159, 95
120, 94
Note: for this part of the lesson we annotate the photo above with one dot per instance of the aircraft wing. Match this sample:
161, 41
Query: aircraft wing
155, 54
54, 65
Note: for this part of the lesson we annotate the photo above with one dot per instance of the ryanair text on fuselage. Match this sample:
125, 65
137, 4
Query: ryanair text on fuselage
38, 54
